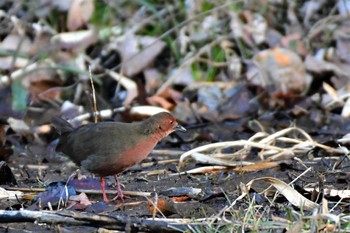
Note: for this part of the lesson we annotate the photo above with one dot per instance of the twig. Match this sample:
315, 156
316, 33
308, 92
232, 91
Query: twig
107, 113
93, 96
6, 80
88, 191
118, 222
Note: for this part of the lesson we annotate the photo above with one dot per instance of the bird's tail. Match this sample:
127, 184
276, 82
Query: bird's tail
62, 126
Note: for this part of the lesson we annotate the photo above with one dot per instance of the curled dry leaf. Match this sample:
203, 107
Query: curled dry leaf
79, 13
257, 27
77, 40
184, 112
20, 44
183, 76
164, 206
170, 94
6, 63
128, 84
319, 66
290, 145
252, 31
153, 79
294, 197
15, 42
38, 78
160, 101
215, 101
344, 194
135, 59
166, 98
81, 201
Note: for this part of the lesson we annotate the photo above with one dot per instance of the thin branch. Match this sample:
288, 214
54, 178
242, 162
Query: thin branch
93, 96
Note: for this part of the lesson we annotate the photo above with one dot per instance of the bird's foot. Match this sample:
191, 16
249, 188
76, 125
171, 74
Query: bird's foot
120, 196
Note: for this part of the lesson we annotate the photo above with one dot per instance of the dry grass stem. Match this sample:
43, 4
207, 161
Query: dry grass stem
93, 96
276, 146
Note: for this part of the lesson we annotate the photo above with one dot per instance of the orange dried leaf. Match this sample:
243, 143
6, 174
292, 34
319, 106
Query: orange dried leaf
158, 100
180, 199
161, 206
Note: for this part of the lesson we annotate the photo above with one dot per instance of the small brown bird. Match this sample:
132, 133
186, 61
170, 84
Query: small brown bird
108, 148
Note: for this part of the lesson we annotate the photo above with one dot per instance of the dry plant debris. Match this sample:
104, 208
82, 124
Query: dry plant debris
261, 86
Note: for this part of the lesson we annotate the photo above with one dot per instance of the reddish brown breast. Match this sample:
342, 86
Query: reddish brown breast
120, 162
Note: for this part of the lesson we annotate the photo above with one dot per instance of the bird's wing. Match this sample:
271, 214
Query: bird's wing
96, 140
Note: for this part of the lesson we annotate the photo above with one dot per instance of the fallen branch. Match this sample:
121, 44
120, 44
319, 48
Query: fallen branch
117, 222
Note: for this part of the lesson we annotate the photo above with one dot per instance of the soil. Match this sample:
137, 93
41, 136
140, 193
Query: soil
205, 194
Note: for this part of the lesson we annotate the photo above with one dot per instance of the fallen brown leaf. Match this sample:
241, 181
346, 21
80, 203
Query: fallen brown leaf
79, 13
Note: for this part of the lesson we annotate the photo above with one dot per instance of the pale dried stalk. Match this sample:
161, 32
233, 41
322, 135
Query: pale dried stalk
221, 145
301, 146
93, 97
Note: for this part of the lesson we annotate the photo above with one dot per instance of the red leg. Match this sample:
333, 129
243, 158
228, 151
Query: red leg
102, 181
120, 194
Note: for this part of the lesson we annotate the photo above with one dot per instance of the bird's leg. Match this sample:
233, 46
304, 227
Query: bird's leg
120, 194
102, 181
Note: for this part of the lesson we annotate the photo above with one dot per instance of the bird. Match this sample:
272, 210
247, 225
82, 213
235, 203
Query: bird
109, 148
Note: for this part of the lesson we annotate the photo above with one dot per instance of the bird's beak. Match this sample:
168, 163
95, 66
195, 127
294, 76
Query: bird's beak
180, 128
